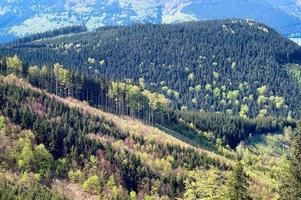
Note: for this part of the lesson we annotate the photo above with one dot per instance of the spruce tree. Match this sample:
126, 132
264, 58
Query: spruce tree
290, 188
238, 184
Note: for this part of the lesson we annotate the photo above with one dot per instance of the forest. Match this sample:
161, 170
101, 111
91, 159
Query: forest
62, 135
127, 99
43, 138
198, 110
229, 66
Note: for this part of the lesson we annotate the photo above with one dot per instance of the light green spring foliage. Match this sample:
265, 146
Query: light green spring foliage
102, 62
75, 176
208, 87
265, 157
261, 99
92, 184
14, 65
25, 189
191, 77
216, 92
116, 191
205, 184
61, 74
2, 123
142, 83
279, 101
33, 71
262, 90
262, 113
43, 160
233, 94
216, 75
244, 110
198, 88
30, 157
134, 95
233, 65
91, 61
295, 72
133, 195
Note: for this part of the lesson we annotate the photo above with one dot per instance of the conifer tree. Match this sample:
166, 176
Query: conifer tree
290, 188
238, 184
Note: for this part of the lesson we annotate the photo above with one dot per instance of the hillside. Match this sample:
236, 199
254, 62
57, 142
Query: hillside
84, 143
104, 155
234, 66
195, 110
20, 18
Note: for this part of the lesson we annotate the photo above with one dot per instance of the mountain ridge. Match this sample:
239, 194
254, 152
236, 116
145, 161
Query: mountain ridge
19, 18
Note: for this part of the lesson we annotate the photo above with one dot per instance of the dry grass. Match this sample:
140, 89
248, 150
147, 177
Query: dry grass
71, 190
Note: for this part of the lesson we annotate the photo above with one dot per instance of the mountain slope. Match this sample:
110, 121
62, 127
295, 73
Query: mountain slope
78, 142
19, 17
232, 66
120, 151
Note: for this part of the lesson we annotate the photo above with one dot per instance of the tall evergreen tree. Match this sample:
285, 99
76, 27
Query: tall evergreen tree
238, 184
290, 188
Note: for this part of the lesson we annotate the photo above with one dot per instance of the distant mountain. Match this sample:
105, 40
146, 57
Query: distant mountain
20, 17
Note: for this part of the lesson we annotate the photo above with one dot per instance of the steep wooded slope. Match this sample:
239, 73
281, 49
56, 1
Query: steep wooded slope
95, 156
70, 134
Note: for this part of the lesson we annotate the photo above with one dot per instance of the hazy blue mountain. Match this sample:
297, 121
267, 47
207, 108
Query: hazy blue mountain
23, 17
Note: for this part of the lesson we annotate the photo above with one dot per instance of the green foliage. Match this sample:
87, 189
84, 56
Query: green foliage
63, 131
295, 72
61, 167
261, 99
244, 111
133, 195
204, 184
2, 123
262, 90
23, 152
32, 158
30, 191
191, 77
75, 176
185, 60
43, 160
92, 184
14, 64
290, 188
34, 74
279, 101
232, 95
91, 61
208, 87
231, 129
237, 185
